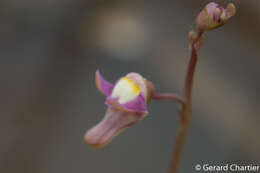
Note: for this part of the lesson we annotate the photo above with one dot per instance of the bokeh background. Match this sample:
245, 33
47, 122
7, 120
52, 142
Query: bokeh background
49, 53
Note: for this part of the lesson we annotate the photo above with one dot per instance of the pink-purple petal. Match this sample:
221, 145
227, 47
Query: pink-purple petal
103, 86
137, 105
211, 8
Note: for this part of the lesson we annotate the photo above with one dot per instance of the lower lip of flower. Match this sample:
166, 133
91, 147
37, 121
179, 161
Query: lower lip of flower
114, 122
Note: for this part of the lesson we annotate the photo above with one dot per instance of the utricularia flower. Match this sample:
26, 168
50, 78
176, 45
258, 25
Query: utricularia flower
214, 15
127, 104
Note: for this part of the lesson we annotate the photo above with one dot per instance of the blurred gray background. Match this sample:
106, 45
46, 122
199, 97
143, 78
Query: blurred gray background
51, 49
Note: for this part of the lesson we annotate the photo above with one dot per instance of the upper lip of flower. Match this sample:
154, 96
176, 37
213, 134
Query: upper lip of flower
103, 86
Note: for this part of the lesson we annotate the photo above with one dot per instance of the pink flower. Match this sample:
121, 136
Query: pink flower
127, 104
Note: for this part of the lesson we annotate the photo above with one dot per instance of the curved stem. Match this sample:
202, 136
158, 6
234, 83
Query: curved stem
190, 76
185, 112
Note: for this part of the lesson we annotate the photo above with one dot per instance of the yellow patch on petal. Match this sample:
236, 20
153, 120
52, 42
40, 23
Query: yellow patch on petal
125, 90
136, 89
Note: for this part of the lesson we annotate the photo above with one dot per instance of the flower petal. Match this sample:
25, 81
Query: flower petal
137, 105
125, 90
211, 9
140, 82
114, 122
103, 86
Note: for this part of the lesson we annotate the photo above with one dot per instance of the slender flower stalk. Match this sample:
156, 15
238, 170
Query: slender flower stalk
185, 112
168, 96
211, 17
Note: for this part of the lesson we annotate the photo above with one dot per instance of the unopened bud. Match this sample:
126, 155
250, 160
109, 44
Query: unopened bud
214, 15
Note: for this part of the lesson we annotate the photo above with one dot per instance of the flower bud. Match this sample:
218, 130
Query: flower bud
213, 16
